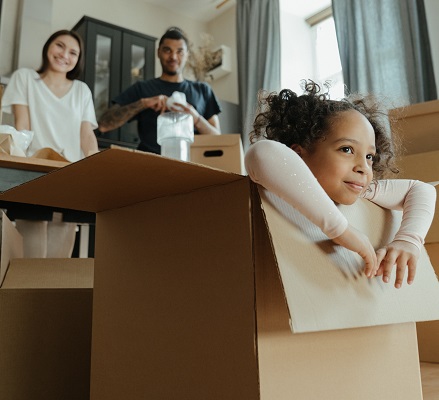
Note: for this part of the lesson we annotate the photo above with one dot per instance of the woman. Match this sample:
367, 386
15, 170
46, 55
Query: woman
59, 109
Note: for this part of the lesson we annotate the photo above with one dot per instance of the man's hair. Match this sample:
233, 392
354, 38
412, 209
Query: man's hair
174, 33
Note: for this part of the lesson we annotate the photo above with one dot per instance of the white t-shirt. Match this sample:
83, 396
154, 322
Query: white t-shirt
281, 171
56, 122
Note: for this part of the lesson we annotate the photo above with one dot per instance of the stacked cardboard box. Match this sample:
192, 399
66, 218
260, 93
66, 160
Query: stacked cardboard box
45, 323
219, 151
206, 288
418, 127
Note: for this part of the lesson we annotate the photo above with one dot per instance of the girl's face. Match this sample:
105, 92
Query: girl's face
342, 163
63, 54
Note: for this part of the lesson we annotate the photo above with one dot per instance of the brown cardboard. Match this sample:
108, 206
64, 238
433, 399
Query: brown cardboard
11, 244
338, 364
219, 151
45, 329
424, 167
428, 332
418, 126
187, 297
336, 280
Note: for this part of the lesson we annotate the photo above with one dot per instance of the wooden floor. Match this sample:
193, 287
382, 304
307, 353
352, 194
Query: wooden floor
430, 381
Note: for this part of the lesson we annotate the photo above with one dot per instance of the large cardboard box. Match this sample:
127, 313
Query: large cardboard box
418, 126
425, 167
206, 288
45, 324
219, 151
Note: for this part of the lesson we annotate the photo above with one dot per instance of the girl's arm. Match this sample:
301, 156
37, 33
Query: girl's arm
22, 117
417, 201
89, 144
281, 171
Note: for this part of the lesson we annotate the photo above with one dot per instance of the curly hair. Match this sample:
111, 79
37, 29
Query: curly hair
306, 120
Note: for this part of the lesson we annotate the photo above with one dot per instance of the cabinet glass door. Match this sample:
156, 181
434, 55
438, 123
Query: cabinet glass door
137, 65
102, 72
101, 89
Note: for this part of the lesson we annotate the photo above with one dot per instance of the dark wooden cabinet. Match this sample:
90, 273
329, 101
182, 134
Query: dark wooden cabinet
115, 58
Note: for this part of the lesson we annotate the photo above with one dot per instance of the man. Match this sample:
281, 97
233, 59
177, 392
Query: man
146, 100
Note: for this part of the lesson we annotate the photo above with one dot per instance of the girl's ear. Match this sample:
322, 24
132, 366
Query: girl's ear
298, 149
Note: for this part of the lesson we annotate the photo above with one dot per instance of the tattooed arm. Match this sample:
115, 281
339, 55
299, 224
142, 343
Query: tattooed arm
118, 115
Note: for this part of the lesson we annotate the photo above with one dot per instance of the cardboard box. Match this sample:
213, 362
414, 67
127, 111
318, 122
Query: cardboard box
45, 325
219, 151
204, 290
418, 126
428, 332
425, 167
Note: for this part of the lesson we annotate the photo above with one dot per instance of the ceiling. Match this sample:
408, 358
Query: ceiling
206, 10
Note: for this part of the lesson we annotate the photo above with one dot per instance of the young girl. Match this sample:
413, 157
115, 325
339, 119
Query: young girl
59, 109
333, 152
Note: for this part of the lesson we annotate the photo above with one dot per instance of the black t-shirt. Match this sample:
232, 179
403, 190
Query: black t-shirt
198, 94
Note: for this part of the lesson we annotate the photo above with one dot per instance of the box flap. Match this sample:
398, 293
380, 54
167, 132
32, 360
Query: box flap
11, 244
417, 126
324, 286
49, 273
122, 177
424, 167
226, 140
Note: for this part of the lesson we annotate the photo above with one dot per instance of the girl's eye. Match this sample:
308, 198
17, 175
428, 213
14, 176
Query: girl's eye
370, 157
347, 150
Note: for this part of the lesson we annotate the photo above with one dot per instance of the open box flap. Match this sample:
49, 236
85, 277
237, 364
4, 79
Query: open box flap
49, 273
323, 284
122, 177
11, 244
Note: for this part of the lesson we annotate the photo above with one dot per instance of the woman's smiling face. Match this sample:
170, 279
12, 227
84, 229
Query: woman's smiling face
342, 162
63, 54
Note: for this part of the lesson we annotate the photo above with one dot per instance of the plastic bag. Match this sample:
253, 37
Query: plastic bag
21, 140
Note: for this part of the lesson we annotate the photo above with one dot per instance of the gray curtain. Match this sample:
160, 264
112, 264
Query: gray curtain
258, 46
385, 48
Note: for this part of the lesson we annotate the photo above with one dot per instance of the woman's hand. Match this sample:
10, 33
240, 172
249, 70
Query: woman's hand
402, 254
356, 241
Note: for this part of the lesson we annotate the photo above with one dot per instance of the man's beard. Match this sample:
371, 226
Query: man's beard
170, 72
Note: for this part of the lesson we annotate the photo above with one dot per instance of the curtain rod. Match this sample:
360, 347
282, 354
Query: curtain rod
320, 16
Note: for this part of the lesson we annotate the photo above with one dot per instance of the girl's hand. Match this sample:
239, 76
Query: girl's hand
358, 242
402, 254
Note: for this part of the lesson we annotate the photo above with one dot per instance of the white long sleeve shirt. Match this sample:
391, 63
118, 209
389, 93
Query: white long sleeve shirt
281, 171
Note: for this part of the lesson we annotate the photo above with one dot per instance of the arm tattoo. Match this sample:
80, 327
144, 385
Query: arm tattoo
116, 116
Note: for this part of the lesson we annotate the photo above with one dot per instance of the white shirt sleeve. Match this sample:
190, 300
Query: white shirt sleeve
416, 200
280, 170
16, 90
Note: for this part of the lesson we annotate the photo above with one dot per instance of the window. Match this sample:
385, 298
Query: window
309, 47
327, 58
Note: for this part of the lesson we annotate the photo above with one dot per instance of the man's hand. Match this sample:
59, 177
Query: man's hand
402, 254
156, 103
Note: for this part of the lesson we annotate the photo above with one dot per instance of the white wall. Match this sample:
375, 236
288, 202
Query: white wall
296, 52
223, 30
8, 35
